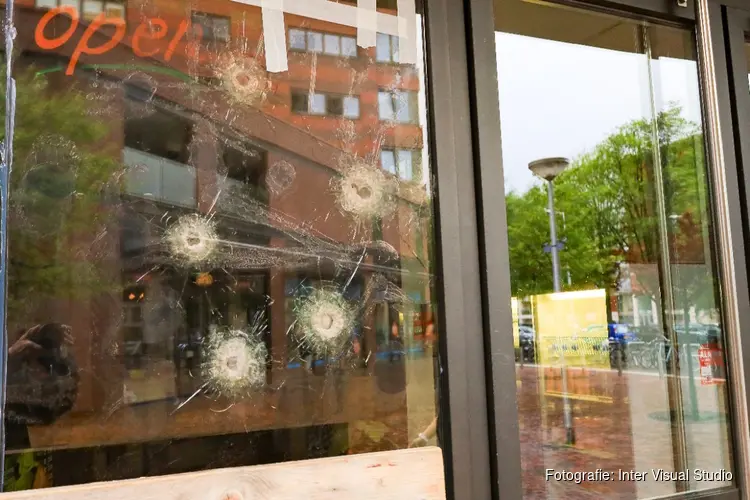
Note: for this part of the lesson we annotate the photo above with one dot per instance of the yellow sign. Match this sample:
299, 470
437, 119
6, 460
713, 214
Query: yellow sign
571, 328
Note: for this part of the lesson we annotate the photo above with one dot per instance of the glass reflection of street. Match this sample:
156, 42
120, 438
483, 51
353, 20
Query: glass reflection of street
626, 352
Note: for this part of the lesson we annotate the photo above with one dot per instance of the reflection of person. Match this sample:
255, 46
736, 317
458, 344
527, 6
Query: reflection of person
429, 333
425, 436
42, 380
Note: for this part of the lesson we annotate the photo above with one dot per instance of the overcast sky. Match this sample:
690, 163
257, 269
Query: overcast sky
560, 99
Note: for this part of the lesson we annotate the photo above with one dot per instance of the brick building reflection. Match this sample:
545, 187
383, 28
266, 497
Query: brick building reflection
187, 144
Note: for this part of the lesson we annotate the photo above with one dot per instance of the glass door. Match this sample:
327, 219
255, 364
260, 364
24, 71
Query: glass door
616, 305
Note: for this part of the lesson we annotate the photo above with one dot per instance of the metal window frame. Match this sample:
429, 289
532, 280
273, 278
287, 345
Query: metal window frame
463, 405
727, 25
728, 209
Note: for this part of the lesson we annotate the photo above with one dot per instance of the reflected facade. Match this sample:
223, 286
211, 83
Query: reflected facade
221, 252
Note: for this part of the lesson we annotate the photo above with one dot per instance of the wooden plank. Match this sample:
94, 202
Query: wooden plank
397, 475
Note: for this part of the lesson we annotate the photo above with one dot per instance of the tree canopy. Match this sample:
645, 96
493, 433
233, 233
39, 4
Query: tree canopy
59, 180
609, 196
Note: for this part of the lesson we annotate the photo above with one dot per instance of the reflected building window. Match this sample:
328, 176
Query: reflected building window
332, 44
211, 28
398, 106
386, 48
243, 168
157, 153
401, 162
90, 9
305, 103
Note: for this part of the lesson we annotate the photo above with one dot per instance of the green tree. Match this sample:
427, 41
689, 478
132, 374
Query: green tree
61, 179
609, 196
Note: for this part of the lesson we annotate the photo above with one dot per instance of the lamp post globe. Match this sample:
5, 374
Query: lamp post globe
549, 168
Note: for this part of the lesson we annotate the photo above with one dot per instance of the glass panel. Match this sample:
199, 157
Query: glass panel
332, 44
299, 102
315, 42
221, 29
383, 48
317, 103
403, 106
92, 8
351, 107
297, 39
405, 170
46, 4
203, 274
388, 161
348, 46
394, 49
385, 106
620, 349
114, 10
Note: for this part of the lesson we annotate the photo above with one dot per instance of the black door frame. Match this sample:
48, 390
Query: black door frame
728, 207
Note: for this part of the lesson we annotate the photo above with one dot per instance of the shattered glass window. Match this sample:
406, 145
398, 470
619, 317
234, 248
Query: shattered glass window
209, 263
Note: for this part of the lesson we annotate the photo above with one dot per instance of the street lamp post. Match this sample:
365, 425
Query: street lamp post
548, 169
565, 232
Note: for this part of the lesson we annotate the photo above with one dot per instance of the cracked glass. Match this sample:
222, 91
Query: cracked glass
210, 262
